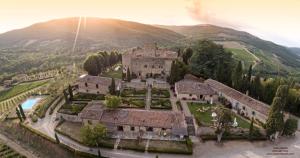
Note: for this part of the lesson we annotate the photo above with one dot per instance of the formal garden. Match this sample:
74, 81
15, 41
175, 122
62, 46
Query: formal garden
72, 108
160, 93
161, 103
130, 102
131, 92
206, 116
7, 152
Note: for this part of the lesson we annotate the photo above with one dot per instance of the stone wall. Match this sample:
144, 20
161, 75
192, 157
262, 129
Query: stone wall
67, 117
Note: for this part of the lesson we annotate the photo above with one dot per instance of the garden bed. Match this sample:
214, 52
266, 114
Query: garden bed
133, 103
131, 92
160, 93
72, 108
88, 97
161, 104
42, 107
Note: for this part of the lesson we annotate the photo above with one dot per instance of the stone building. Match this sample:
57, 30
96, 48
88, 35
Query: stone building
96, 84
148, 61
136, 123
241, 103
188, 89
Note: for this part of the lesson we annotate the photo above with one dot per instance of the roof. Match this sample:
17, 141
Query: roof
242, 98
151, 51
193, 87
97, 80
133, 117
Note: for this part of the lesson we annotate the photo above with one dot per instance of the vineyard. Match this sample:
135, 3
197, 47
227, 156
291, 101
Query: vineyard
17, 95
7, 152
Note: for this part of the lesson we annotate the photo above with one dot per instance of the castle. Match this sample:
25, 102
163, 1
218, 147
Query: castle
149, 61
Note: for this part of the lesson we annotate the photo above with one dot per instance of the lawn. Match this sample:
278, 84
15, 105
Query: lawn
202, 113
72, 108
242, 55
72, 130
179, 147
20, 88
113, 74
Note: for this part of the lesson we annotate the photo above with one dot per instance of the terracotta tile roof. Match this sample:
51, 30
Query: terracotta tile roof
193, 87
242, 98
97, 80
133, 117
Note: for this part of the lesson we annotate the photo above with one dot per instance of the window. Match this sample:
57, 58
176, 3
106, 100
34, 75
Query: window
201, 96
120, 128
253, 113
86, 85
244, 108
145, 66
150, 129
87, 90
163, 129
153, 66
190, 95
132, 128
97, 86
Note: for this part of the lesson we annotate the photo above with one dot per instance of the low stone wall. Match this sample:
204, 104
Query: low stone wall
67, 117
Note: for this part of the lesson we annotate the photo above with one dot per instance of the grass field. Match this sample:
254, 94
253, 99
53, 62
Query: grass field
242, 55
20, 88
113, 74
202, 113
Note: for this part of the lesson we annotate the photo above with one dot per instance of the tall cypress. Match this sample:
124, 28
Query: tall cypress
112, 87
19, 115
70, 92
22, 112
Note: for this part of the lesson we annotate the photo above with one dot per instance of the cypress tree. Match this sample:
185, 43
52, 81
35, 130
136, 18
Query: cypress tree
237, 76
275, 122
70, 92
251, 129
112, 87
19, 115
99, 153
56, 138
22, 112
128, 75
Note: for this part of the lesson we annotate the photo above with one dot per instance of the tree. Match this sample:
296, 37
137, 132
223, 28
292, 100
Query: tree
19, 115
112, 102
99, 154
22, 112
187, 54
91, 65
112, 87
237, 77
282, 91
70, 92
178, 70
290, 127
128, 75
223, 122
66, 96
206, 58
256, 87
275, 122
249, 75
251, 129
56, 138
92, 135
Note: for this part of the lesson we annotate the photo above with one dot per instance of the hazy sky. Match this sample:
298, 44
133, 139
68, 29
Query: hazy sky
276, 20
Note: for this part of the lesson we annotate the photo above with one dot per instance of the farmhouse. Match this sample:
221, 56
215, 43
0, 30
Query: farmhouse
134, 122
96, 84
240, 102
194, 90
149, 61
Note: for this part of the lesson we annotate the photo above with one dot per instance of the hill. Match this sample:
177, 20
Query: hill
268, 56
94, 33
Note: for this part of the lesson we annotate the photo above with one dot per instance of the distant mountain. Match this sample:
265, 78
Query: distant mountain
94, 33
295, 50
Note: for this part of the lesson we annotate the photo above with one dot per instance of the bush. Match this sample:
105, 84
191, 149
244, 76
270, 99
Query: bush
33, 118
88, 97
290, 127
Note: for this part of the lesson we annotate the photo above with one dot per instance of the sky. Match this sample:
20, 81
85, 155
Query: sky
274, 20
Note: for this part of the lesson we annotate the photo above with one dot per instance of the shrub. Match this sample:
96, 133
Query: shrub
290, 127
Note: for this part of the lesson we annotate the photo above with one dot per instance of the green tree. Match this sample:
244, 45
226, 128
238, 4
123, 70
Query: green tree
66, 96
128, 75
290, 127
19, 115
223, 122
251, 129
70, 92
249, 75
112, 87
237, 76
56, 138
178, 70
92, 135
282, 91
256, 87
275, 122
91, 65
22, 112
205, 59
112, 102
187, 54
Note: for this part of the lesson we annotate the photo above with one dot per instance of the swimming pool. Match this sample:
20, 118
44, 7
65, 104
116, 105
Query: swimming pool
30, 102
